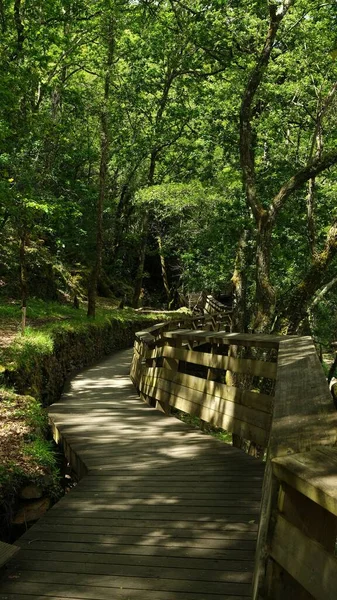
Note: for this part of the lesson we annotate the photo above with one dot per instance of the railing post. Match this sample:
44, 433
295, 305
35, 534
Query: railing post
170, 364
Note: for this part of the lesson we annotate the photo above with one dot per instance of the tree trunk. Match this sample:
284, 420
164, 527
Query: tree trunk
311, 196
142, 252
2, 17
296, 306
20, 32
118, 228
96, 268
265, 293
163, 270
23, 278
239, 279
145, 232
103, 176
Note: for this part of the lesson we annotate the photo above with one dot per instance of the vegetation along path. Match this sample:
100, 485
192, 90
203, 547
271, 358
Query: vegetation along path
162, 513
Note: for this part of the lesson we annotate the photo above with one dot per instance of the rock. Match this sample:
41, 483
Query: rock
46, 480
32, 511
31, 492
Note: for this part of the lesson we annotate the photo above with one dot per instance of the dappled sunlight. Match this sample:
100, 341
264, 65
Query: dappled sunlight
164, 509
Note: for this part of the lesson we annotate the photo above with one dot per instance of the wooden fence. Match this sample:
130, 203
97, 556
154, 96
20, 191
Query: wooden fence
270, 390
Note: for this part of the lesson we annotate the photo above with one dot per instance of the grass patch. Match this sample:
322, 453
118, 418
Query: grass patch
25, 453
58, 338
46, 320
196, 423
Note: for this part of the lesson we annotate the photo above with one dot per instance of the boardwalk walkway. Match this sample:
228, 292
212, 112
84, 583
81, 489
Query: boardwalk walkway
164, 512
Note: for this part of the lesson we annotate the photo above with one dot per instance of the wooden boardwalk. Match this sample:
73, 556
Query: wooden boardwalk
163, 513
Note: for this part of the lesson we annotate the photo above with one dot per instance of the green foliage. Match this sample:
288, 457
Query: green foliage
217, 432
179, 74
41, 451
27, 456
56, 321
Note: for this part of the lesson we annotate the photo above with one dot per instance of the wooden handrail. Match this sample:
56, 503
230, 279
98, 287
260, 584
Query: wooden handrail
271, 390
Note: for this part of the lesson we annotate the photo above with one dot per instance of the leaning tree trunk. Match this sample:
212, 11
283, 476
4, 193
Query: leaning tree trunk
296, 305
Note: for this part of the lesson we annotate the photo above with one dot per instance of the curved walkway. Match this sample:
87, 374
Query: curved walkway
163, 513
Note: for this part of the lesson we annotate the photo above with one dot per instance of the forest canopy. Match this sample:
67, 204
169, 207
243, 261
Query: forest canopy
152, 148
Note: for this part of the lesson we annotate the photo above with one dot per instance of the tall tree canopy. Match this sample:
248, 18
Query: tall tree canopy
162, 146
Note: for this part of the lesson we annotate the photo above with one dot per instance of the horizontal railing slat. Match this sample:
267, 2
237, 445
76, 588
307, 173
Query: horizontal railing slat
261, 402
223, 337
217, 419
237, 365
305, 560
211, 402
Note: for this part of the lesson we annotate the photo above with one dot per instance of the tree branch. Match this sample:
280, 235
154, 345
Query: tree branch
246, 133
319, 295
300, 299
319, 118
316, 167
75, 19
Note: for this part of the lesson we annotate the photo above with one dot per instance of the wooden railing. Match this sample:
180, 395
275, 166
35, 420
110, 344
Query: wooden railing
212, 305
270, 390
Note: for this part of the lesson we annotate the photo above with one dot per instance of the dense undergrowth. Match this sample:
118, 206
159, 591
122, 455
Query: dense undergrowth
26, 453
33, 369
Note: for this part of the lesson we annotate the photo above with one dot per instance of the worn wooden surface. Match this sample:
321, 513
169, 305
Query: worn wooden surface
305, 560
314, 474
6, 552
304, 419
194, 380
164, 512
304, 415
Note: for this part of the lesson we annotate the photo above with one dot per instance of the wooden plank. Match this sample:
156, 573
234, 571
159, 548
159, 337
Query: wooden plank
213, 402
138, 518
303, 403
259, 368
312, 474
223, 337
133, 583
170, 501
173, 477
164, 513
204, 526
6, 552
227, 419
133, 553
216, 418
135, 570
304, 418
229, 539
80, 592
186, 499
108, 501
305, 560
251, 399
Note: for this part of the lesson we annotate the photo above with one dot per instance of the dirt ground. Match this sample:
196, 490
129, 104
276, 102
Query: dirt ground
8, 330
